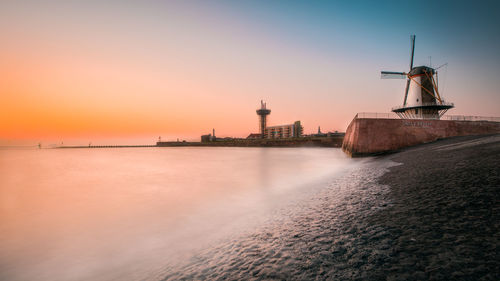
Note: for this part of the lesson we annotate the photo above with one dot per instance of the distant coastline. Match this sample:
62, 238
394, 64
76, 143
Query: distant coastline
327, 141
331, 141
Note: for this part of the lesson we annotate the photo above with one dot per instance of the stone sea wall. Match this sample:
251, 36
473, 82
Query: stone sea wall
366, 136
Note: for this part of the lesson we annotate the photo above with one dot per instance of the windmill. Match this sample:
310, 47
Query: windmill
422, 99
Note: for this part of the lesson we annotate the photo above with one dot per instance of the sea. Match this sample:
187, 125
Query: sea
183, 213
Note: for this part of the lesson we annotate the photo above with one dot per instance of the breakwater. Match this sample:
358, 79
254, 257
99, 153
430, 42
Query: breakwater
105, 146
331, 141
334, 141
369, 136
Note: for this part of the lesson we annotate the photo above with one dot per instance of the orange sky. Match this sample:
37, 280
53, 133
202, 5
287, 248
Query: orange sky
123, 72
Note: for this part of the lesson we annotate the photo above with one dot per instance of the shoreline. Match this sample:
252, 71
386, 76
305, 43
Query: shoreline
320, 235
411, 215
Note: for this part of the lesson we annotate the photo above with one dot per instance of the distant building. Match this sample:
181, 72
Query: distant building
206, 138
284, 131
325, 135
209, 137
320, 134
335, 134
254, 136
274, 132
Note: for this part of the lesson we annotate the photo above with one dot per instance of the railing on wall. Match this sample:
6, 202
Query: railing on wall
391, 115
377, 115
470, 118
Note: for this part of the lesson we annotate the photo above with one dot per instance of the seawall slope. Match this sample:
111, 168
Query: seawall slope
444, 220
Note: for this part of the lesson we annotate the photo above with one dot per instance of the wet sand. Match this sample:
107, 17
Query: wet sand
444, 222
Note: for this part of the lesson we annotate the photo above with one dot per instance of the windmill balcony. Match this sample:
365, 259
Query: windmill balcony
443, 105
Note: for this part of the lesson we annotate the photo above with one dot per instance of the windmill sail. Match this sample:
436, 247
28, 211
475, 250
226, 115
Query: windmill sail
412, 39
406, 91
392, 75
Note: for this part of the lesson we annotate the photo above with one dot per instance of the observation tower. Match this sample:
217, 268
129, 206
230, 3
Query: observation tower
263, 112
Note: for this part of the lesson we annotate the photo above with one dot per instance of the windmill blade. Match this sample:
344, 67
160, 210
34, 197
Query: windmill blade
392, 75
444, 64
412, 39
406, 90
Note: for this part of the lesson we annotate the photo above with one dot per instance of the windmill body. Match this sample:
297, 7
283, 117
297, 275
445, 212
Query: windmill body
421, 99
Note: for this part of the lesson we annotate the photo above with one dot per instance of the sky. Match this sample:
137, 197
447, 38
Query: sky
131, 71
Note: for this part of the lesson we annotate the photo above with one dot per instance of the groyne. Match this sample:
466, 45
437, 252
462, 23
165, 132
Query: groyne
372, 136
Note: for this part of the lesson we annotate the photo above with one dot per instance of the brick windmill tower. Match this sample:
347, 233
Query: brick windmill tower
421, 98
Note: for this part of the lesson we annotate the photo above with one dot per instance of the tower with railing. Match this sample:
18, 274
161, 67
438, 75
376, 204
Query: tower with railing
263, 112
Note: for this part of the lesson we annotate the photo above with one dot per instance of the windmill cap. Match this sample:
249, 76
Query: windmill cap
421, 70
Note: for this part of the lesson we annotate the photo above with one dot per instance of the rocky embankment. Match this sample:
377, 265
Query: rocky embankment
444, 222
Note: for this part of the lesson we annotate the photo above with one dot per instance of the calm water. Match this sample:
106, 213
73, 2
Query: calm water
168, 213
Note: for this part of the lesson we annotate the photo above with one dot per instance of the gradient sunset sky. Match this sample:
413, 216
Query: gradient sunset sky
130, 71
